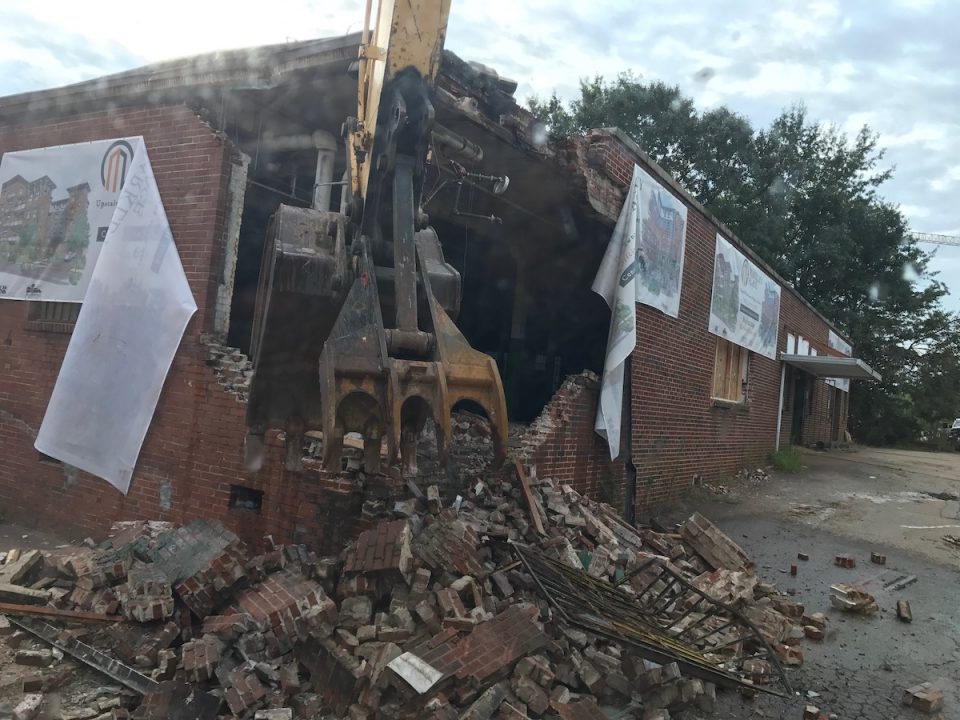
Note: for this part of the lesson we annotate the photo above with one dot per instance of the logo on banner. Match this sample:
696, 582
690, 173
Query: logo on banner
113, 167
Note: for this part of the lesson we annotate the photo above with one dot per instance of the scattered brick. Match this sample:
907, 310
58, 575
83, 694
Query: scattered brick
878, 559
924, 697
845, 561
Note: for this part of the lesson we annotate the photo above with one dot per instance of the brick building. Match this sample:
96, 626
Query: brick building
231, 136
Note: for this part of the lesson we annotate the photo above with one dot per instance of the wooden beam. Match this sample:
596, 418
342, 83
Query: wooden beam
14, 609
531, 500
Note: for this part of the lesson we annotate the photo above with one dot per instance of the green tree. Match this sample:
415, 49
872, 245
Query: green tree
805, 197
28, 240
78, 238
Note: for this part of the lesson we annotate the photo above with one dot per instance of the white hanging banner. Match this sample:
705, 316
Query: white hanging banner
643, 264
56, 204
745, 305
133, 318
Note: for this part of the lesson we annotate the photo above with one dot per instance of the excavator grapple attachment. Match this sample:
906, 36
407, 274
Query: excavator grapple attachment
388, 399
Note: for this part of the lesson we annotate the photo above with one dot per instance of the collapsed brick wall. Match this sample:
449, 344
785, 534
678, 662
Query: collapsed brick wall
192, 453
679, 431
562, 445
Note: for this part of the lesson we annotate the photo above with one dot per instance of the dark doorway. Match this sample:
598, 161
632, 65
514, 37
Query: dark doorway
799, 403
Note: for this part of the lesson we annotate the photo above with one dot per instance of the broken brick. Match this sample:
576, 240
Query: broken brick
845, 561
924, 697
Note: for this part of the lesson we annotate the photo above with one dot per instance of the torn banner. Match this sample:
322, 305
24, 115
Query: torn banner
643, 264
132, 320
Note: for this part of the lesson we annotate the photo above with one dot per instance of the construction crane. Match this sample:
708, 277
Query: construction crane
934, 238
354, 323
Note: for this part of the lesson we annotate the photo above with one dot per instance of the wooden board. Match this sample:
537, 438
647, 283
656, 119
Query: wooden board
531, 500
14, 609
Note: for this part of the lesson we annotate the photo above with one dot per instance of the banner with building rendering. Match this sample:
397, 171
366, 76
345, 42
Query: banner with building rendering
129, 328
56, 204
745, 305
643, 264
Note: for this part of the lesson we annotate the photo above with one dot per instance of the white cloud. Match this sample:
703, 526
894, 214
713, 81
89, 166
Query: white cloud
947, 180
914, 212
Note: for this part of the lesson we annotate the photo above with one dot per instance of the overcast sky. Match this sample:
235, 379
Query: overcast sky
893, 64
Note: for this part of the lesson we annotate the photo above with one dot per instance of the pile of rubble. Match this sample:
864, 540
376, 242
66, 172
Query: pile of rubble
436, 611
754, 477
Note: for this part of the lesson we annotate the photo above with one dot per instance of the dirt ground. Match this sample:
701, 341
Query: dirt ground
857, 501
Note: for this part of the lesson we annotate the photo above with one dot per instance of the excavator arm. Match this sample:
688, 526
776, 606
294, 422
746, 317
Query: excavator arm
393, 356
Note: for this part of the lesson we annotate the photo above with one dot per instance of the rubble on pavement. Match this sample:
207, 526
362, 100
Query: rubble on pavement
851, 599
429, 613
924, 697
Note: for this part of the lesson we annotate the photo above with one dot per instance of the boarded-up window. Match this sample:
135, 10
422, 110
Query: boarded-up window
730, 371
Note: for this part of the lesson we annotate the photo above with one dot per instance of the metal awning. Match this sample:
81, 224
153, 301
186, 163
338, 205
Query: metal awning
827, 366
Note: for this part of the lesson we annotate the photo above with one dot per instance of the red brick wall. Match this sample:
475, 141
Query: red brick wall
193, 449
562, 445
679, 432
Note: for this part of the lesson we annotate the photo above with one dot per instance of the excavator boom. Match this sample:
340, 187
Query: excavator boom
373, 348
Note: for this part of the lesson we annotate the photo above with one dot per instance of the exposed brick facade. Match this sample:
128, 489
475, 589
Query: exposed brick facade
679, 431
192, 452
562, 445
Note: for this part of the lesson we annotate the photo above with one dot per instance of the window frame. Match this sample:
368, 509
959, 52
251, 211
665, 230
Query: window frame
723, 384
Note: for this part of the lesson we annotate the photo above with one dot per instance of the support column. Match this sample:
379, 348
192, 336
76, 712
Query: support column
783, 377
323, 179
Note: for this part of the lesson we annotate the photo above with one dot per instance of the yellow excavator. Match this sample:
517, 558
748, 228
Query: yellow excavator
354, 324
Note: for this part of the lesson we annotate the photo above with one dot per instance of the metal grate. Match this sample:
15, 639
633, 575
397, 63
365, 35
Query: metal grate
52, 316
89, 655
59, 312
669, 620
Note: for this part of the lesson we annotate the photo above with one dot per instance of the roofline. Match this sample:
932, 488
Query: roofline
726, 231
190, 71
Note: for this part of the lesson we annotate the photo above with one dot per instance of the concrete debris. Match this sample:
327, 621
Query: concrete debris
28, 707
427, 613
753, 477
924, 697
846, 597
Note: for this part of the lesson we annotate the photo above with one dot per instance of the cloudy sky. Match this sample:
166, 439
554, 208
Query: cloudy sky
892, 64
